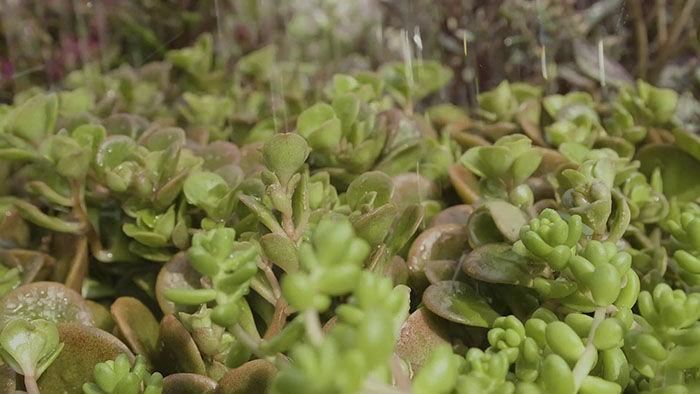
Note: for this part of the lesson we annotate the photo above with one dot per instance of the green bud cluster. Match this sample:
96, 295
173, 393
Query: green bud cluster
356, 349
551, 238
212, 340
208, 111
587, 190
151, 228
503, 166
580, 130
544, 355
502, 102
684, 226
411, 82
229, 265
635, 111
149, 173
330, 265
210, 192
119, 377
597, 275
662, 346
646, 200
648, 105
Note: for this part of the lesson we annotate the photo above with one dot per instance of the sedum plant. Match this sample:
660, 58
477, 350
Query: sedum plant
245, 224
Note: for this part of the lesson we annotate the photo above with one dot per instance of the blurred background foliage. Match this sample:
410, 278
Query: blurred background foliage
483, 41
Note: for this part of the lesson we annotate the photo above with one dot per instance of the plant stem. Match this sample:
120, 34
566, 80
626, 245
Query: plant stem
260, 288
289, 229
271, 278
313, 327
30, 385
79, 210
303, 224
279, 319
76, 191
401, 379
585, 363
373, 386
253, 345
659, 376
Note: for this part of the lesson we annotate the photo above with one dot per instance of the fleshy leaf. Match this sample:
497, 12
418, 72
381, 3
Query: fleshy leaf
284, 154
460, 303
497, 263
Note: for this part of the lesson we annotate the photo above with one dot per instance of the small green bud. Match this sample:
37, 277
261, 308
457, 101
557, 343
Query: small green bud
527, 388
559, 257
604, 284
535, 328
595, 253
579, 322
530, 350
626, 317
226, 314
557, 376
298, 290
535, 244
575, 231
521, 196
615, 366
687, 261
554, 288
564, 341
596, 385
673, 314
651, 347
544, 314
622, 261
582, 268
280, 200
629, 294
686, 337
609, 334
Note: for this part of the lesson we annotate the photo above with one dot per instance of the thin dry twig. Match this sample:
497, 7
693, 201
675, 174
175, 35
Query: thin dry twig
642, 39
670, 47
661, 28
680, 22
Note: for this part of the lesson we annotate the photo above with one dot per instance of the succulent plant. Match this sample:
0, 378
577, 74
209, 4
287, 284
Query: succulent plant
238, 220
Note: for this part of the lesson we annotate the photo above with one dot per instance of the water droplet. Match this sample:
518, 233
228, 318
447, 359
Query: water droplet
601, 62
543, 58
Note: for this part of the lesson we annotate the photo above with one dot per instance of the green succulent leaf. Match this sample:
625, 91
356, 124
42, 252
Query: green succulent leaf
460, 303
29, 347
284, 154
